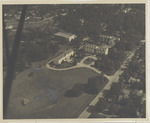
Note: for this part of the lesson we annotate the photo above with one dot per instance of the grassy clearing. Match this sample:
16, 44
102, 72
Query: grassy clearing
45, 90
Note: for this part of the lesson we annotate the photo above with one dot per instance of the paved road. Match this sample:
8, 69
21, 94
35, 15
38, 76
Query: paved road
113, 78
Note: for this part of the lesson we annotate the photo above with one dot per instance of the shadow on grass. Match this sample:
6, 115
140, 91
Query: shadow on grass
94, 86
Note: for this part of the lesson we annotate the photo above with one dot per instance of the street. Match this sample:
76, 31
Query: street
112, 79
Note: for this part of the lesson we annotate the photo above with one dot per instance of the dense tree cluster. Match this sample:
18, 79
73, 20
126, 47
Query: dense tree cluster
102, 18
110, 63
92, 19
34, 51
94, 85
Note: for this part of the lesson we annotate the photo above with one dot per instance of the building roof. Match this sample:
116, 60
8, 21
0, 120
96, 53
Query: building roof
106, 36
97, 47
63, 34
63, 54
109, 37
143, 41
86, 38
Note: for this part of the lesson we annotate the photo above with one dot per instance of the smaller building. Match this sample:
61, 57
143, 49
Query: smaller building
86, 39
132, 80
9, 27
109, 40
66, 56
102, 49
65, 36
23, 43
142, 41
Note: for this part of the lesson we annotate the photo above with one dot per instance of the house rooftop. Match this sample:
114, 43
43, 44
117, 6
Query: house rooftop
106, 36
96, 47
143, 41
64, 34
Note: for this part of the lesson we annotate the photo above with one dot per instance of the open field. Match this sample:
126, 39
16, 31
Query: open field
45, 91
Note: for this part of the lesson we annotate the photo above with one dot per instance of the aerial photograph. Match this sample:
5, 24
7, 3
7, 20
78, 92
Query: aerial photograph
74, 61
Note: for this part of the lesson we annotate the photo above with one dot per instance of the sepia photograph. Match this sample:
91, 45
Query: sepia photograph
74, 61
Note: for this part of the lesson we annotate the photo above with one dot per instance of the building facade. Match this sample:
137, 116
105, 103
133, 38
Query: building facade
94, 49
64, 57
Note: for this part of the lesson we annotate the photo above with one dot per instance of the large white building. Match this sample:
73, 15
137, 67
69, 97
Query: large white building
66, 56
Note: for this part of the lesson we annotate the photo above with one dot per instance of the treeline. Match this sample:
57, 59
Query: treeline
91, 19
110, 63
136, 69
104, 18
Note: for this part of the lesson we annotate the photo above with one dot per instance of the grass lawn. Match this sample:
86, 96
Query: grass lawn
45, 91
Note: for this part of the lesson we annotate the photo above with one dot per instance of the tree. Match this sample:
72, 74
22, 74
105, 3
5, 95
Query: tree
114, 92
76, 42
134, 66
101, 105
136, 99
94, 84
76, 90
129, 111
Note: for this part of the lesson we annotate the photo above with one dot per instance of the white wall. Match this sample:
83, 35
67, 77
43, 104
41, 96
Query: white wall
66, 57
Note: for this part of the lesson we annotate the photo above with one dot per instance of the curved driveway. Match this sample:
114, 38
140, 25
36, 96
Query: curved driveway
78, 65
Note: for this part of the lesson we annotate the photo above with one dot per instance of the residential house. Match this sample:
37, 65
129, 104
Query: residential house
132, 80
9, 27
23, 43
66, 56
102, 49
109, 40
86, 39
142, 41
65, 36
